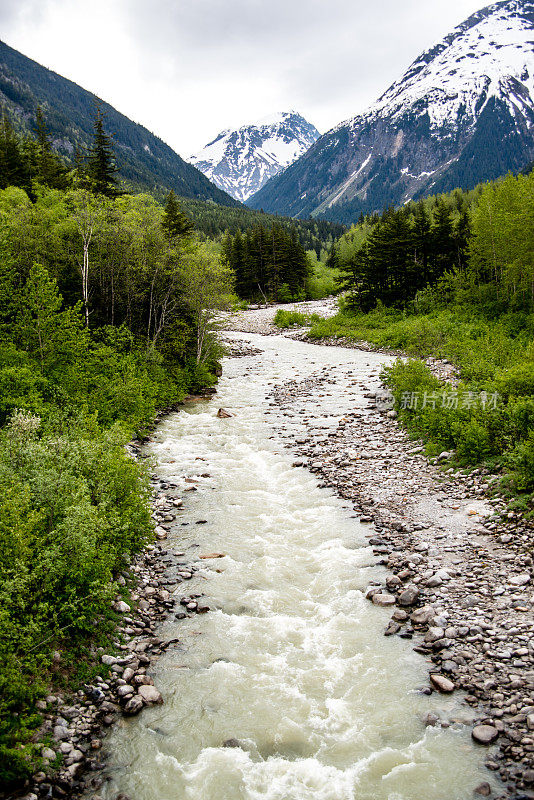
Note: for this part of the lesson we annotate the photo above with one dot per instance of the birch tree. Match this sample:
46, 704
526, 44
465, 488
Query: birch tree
87, 216
206, 287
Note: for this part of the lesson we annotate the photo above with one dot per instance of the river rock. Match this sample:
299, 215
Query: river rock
433, 634
484, 734
134, 705
383, 599
213, 555
48, 754
150, 695
520, 580
441, 683
409, 596
124, 690
422, 616
222, 413
483, 789
60, 732
122, 607
393, 582
128, 674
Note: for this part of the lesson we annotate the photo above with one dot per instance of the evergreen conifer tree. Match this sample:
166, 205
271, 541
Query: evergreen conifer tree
50, 169
443, 243
14, 169
175, 223
422, 242
101, 168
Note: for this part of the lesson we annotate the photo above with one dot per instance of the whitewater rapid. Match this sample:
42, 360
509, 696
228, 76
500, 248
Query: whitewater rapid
287, 689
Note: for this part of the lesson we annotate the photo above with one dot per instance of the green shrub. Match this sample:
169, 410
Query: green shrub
472, 441
73, 506
289, 319
521, 462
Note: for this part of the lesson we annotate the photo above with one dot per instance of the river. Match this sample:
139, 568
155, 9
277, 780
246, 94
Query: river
291, 665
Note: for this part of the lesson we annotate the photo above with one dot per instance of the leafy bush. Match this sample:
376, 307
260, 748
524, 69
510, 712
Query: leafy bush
289, 319
521, 462
73, 506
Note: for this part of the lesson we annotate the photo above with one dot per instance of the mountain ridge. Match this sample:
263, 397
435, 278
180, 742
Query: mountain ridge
144, 160
240, 161
462, 113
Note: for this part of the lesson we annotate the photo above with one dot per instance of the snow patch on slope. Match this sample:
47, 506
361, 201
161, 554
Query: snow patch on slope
241, 161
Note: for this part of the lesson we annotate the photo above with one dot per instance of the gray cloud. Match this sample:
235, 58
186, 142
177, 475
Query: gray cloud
25, 12
188, 68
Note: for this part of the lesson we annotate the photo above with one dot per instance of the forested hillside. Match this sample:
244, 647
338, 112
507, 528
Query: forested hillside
144, 161
214, 220
106, 303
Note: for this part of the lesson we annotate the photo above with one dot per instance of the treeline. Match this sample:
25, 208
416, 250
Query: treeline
106, 303
269, 264
486, 233
213, 221
390, 257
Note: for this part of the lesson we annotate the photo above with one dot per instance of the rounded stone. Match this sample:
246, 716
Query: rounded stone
383, 599
441, 683
484, 734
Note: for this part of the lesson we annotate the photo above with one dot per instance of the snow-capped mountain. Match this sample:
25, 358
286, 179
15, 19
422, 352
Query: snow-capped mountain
241, 161
462, 113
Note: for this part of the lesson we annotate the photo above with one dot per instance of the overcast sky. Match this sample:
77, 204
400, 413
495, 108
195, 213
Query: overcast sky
187, 69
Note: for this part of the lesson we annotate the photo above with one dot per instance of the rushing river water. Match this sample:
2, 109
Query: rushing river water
292, 662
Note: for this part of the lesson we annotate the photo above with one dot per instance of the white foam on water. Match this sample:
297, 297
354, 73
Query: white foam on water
291, 662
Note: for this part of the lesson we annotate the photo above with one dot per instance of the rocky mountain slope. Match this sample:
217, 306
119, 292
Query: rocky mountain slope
144, 160
462, 113
240, 162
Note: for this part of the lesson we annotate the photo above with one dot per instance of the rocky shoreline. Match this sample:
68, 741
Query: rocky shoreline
461, 576
460, 587
74, 723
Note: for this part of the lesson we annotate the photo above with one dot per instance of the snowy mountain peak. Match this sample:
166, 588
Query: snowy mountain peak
462, 113
241, 161
472, 64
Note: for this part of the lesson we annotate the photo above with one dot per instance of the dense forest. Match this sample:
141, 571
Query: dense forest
213, 221
106, 306
390, 257
268, 264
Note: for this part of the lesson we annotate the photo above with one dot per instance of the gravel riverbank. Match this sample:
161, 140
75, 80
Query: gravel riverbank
459, 586
74, 724
461, 583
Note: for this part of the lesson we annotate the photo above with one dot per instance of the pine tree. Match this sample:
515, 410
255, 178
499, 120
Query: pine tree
443, 244
14, 169
175, 223
101, 168
422, 241
462, 234
50, 169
